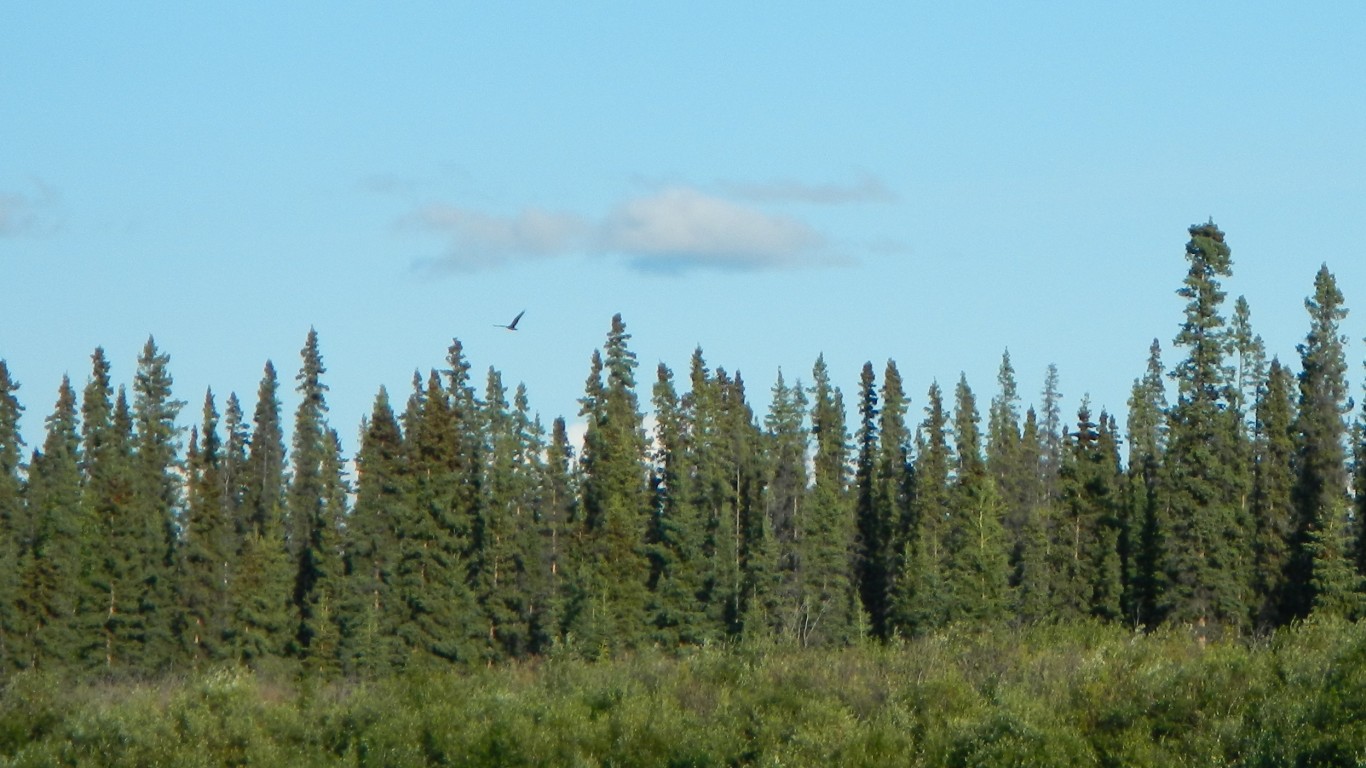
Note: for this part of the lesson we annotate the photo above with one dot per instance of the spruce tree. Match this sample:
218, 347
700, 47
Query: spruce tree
788, 440
920, 603
872, 528
11, 511
1273, 504
154, 509
559, 499
1010, 468
678, 563
829, 596
1033, 573
207, 555
264, 616
892, 489
977, 573
1203, 537
1140, 531
439, 618
313, 527
369, 631
1320, 491
109, 603
51, 541
610, 610
501, 547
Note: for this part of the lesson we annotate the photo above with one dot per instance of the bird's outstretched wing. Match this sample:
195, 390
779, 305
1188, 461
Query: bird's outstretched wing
512, 326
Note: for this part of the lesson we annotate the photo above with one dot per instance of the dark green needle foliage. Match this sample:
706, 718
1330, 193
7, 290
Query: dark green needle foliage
11, 515
1202, 529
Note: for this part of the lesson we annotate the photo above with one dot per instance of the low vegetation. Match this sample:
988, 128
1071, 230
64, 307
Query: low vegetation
1080, 694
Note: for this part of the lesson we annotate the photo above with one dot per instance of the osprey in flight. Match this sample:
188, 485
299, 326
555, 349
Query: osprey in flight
512, 326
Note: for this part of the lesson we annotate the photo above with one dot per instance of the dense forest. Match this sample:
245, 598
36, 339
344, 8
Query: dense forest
465, 532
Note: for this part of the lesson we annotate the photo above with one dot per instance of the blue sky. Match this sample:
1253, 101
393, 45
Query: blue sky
928, 182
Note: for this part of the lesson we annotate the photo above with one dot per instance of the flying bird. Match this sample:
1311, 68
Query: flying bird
512, 326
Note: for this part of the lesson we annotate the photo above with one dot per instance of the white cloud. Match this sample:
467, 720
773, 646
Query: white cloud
480, 240
673, 229
682, 227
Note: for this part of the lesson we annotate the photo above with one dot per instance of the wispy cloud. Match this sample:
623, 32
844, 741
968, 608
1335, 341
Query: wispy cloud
673, 229
480, 241
867, 189
27, 214
681, 227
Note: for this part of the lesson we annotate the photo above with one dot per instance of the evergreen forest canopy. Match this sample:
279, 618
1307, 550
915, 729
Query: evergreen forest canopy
471, 534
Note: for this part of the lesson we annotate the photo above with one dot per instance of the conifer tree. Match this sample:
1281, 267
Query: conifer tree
1147, 444
977, 574
1320, 491
829, 596
610, 611
11, 511
51, 540
920, 603
154, 508
207, 554
1033, 573
369, 631
501, 546
892, 489
874, 527
785, 501
314, 516
554, 518
1009, 467
106, 452
439, 616
678, 567
1203, 537
754, 568
1273, 504
1051, 430
264, 616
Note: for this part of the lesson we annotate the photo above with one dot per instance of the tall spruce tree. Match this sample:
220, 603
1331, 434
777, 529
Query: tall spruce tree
1203, 537
610, 607
1147, 429
502, 548
369, 630
920, 603
1032, 572
264, 615
51, 540
439, 618
11, 512
873, 525
678, 563
207, 555
155, 509
313, 528
977, 575
107, 467
1321, 485
557, 512
785, 503
1009, 467
829, 601
1273, 504
893, 489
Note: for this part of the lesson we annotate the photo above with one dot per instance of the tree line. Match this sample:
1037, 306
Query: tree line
470, 533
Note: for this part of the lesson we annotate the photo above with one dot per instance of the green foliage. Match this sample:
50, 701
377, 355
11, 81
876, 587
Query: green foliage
1073, 694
